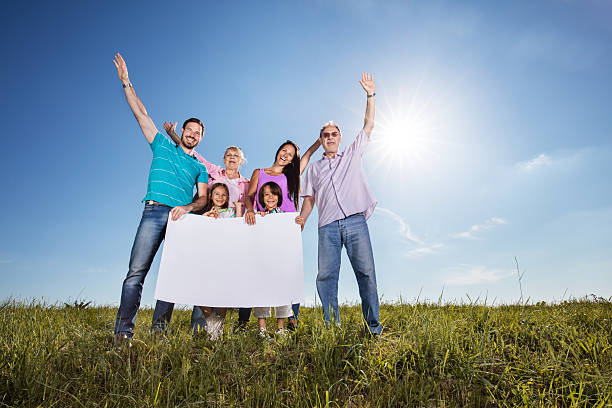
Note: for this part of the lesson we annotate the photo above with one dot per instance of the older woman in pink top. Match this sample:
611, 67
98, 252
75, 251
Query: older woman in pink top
230, 176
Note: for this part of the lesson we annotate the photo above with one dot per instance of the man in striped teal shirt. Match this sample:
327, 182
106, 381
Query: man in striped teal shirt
174, 173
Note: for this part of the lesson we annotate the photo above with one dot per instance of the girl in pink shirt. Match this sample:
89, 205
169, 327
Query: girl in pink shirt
217, 207
270, 197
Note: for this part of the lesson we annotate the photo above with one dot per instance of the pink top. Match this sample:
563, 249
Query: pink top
338, 185
237, 187
287, 205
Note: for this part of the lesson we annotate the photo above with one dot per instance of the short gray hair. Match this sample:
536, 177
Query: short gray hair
237, 150
331, 123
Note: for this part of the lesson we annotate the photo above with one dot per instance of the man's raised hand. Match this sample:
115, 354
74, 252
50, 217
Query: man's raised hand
121, 68
140, 113
367, 82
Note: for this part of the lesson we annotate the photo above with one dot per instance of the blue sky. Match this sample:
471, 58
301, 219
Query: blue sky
492, 140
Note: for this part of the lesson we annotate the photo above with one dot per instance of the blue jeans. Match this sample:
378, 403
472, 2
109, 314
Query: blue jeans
296, 310
352, 232
149, 236
198, 321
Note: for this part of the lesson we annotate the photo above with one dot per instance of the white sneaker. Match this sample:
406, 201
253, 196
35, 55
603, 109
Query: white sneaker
214, 326
281, 333
263, 334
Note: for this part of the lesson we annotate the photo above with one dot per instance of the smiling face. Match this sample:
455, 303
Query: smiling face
330, 139
191, 134
219, 196
233, 159
285, 155
269, 198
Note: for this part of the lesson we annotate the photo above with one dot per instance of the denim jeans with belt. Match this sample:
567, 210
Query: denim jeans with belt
149, 237
352, 232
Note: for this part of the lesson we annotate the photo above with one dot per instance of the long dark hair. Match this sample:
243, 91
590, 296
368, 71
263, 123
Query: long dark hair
209, 202
292, 172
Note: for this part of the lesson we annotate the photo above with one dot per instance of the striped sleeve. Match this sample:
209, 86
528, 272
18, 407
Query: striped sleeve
157, 141
202, 176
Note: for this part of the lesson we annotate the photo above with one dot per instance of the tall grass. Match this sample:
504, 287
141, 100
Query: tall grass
429, 356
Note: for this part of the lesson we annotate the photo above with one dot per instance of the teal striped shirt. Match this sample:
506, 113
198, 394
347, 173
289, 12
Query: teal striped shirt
173, 174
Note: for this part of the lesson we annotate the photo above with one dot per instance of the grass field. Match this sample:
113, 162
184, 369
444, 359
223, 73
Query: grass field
429, 356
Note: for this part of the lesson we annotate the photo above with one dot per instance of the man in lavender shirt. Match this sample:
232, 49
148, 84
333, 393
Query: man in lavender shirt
337, 185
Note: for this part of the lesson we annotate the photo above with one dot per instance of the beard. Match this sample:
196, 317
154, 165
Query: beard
189, 143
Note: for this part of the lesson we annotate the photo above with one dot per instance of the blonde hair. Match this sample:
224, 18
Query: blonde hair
237, 150
331, 123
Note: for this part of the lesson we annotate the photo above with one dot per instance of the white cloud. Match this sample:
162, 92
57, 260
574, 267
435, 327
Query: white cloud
542, 160
561, 160
424, 250
471, 233
404, 228
475, 274
409, 237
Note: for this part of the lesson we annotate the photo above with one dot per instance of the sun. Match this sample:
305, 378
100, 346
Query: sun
407, 134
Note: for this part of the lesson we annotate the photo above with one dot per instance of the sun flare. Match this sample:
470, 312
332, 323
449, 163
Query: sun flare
407, 135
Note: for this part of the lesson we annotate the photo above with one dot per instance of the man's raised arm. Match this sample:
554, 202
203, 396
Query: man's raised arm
145, 122
367, 82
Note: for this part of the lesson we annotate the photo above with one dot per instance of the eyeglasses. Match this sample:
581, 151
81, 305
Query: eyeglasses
328, 134
196, 132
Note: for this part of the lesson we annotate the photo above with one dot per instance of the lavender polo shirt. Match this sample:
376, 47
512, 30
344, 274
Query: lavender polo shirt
338, 185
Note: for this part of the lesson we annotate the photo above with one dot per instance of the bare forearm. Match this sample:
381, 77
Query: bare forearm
368, 122
248, 203
198, 204
252, 191
135, 104
307, 207
306, 156
140, 113
138, 109
174, 136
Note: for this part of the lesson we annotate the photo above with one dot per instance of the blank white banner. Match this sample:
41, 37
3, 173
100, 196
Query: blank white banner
227, 263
